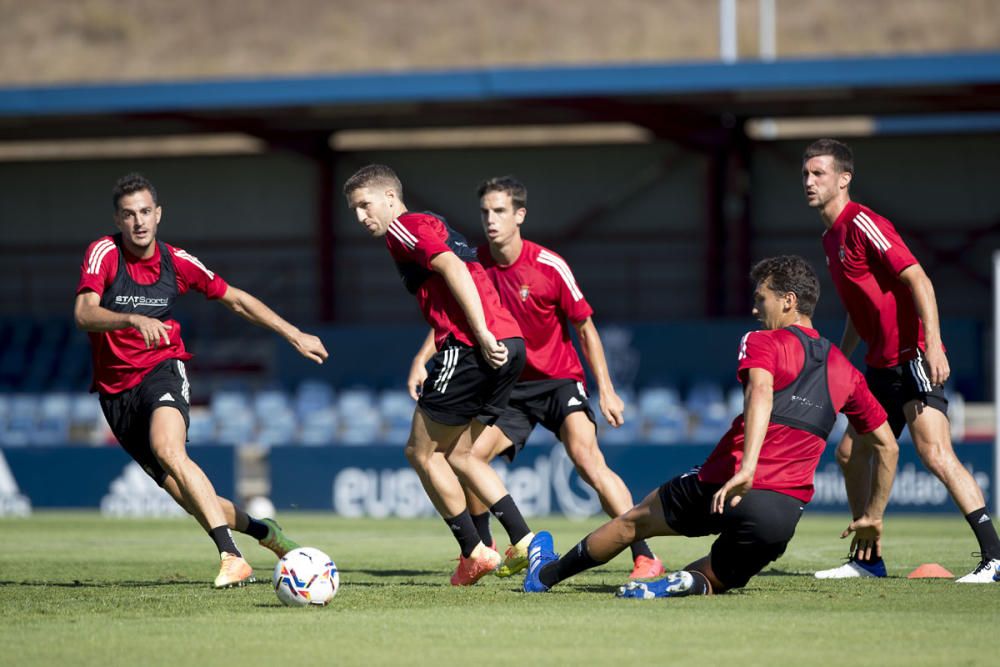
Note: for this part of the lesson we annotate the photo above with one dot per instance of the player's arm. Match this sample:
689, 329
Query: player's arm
920, 285
91, 316
254, 310
418, 368
456, 275
758, 400
612, 406
867, 528
850, 339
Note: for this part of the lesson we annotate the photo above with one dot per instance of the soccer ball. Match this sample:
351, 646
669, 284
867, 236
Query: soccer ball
305, 576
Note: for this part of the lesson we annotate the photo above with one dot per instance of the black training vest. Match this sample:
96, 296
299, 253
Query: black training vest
414, 275
127, 296
805, 403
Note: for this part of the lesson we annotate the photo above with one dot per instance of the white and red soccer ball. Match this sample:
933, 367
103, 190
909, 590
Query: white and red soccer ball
305, 576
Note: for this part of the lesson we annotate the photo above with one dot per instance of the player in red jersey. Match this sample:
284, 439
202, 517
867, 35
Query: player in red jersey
752, 489
480, 353
891, 306
537, 286
128, 285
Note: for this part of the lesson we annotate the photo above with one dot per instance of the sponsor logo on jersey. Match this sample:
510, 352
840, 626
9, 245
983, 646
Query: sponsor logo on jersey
135, 494
141, 302
524, 292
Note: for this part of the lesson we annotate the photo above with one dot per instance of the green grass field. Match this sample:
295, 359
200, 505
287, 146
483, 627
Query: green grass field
77, 589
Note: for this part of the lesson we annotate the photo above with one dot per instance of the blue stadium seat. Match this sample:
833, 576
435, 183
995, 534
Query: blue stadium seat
279, 427
319, 427
669, 426
202, 427
312, 395
396, 408
19, 426
711, 423
360, 421
54, 418
703, 394
234, 416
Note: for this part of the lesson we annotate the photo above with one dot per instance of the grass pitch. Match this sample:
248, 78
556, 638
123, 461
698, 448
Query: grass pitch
77, 589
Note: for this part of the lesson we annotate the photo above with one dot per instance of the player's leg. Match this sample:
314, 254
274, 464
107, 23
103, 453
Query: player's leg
167, 437
266, 531
491, 443
545, 570
469, 459
425, 450
579, 436
931, 434
855, 460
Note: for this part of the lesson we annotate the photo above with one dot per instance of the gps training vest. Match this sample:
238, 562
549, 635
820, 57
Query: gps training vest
806, 404
414, 275
127, 296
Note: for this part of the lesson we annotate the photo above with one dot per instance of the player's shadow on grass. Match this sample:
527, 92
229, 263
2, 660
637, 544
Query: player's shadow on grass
392, 573
118, 584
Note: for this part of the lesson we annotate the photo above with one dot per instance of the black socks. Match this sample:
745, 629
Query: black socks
482, 523
255, 529
640, 548
224, 540
510, 518
464, 531
574, 562
986, 534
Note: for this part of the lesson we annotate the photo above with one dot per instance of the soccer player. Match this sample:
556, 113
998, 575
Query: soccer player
480, 354
128, 285
538, 288
891, 306
752, 489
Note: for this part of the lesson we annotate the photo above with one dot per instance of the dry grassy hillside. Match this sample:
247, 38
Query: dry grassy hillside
45, 41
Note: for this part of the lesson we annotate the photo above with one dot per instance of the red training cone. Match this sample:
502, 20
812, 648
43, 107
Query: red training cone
930, 571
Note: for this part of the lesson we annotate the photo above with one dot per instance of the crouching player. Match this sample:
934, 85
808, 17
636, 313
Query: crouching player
753, 488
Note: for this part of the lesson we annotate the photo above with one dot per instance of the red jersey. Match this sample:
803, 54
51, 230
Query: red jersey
121, 358
789, 456
413, 240
865, 256
541, 293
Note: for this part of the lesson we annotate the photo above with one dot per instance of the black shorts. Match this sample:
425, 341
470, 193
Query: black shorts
461, 386
545, 402
751, 535
129, 412
896, 386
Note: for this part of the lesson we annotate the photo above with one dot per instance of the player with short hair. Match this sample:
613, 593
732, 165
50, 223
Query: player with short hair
128, 285
754, 485
891, 306
480, 354
538, 287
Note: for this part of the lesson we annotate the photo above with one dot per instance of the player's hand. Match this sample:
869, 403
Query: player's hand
309, 346
937, 361
867, 540
154, 332
613, 409
733, 490
415, 381
492, 350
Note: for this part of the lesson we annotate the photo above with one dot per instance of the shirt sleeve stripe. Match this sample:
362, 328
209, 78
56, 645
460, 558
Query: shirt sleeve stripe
406, 233
563, 268
875, 228
97, 255
743, 346
871, 236
399, 237
183, 254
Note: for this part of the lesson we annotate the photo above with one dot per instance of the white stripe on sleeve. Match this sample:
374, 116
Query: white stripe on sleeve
876, 241
875, 228
97, 255
183, 254
562, 267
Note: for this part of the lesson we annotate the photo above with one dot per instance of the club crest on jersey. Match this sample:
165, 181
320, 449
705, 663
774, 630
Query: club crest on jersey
525, 290
841, 254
